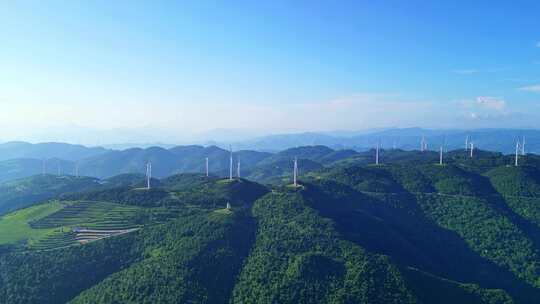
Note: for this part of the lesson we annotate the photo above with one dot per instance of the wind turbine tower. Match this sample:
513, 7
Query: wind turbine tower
467, 143
472, 149
148, 174
441, 156
517, 154
423, 144
207, 173
377, 154
230, 164
523, 146
295, 172
238, 169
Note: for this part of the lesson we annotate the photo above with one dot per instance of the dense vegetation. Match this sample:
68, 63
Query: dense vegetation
191, 260
407, 231
298, 258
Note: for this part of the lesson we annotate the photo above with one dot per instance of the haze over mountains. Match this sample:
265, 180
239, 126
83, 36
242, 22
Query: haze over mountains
502, 140
20, 159
404, 138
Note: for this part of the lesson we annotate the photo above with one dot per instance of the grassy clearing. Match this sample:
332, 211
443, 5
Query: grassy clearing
15, 228
223, 211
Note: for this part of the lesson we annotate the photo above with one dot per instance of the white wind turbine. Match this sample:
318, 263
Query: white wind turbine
148, 174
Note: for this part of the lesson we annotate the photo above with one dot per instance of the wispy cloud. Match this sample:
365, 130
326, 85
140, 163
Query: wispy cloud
532, 88
484, 108
476, 71
493, 103
520, 80
465, 71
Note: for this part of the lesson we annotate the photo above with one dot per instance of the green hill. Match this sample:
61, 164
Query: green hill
28, 191
181, 159
281, 170
298, 258
19, 168
406, 231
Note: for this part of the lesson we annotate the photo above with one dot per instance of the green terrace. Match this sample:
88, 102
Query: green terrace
56, 224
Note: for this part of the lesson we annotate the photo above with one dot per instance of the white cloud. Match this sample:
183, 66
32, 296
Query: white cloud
489, 102
484, 108
532, 88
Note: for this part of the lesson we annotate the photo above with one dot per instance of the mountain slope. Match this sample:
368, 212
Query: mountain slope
13, 150
24, 167
411, 231
27, 191
196, 261
165, 162
297, 259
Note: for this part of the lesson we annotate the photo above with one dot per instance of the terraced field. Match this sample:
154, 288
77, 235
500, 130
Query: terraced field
85, 221
56, 240
57, 224
15, 228
84, 236
95, 215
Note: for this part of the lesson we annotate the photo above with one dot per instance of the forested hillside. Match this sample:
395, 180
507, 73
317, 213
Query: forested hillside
25, 192
259, 166
405, 231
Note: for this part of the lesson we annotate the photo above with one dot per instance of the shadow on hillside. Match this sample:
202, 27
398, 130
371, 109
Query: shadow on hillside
394, 225
217, 273
499, 203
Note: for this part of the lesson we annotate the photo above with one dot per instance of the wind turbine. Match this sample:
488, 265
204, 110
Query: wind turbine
148, 174
377, 154
295, 172
230, 164
238, 169
472, 149
517, 153
445, 144
441, 156
207, 173
523, 146
467, 143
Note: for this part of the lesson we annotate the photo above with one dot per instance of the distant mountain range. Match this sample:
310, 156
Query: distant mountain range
500, 140
259, 157
19, 149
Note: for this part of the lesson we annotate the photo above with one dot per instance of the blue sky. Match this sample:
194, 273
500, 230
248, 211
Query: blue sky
268, 66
